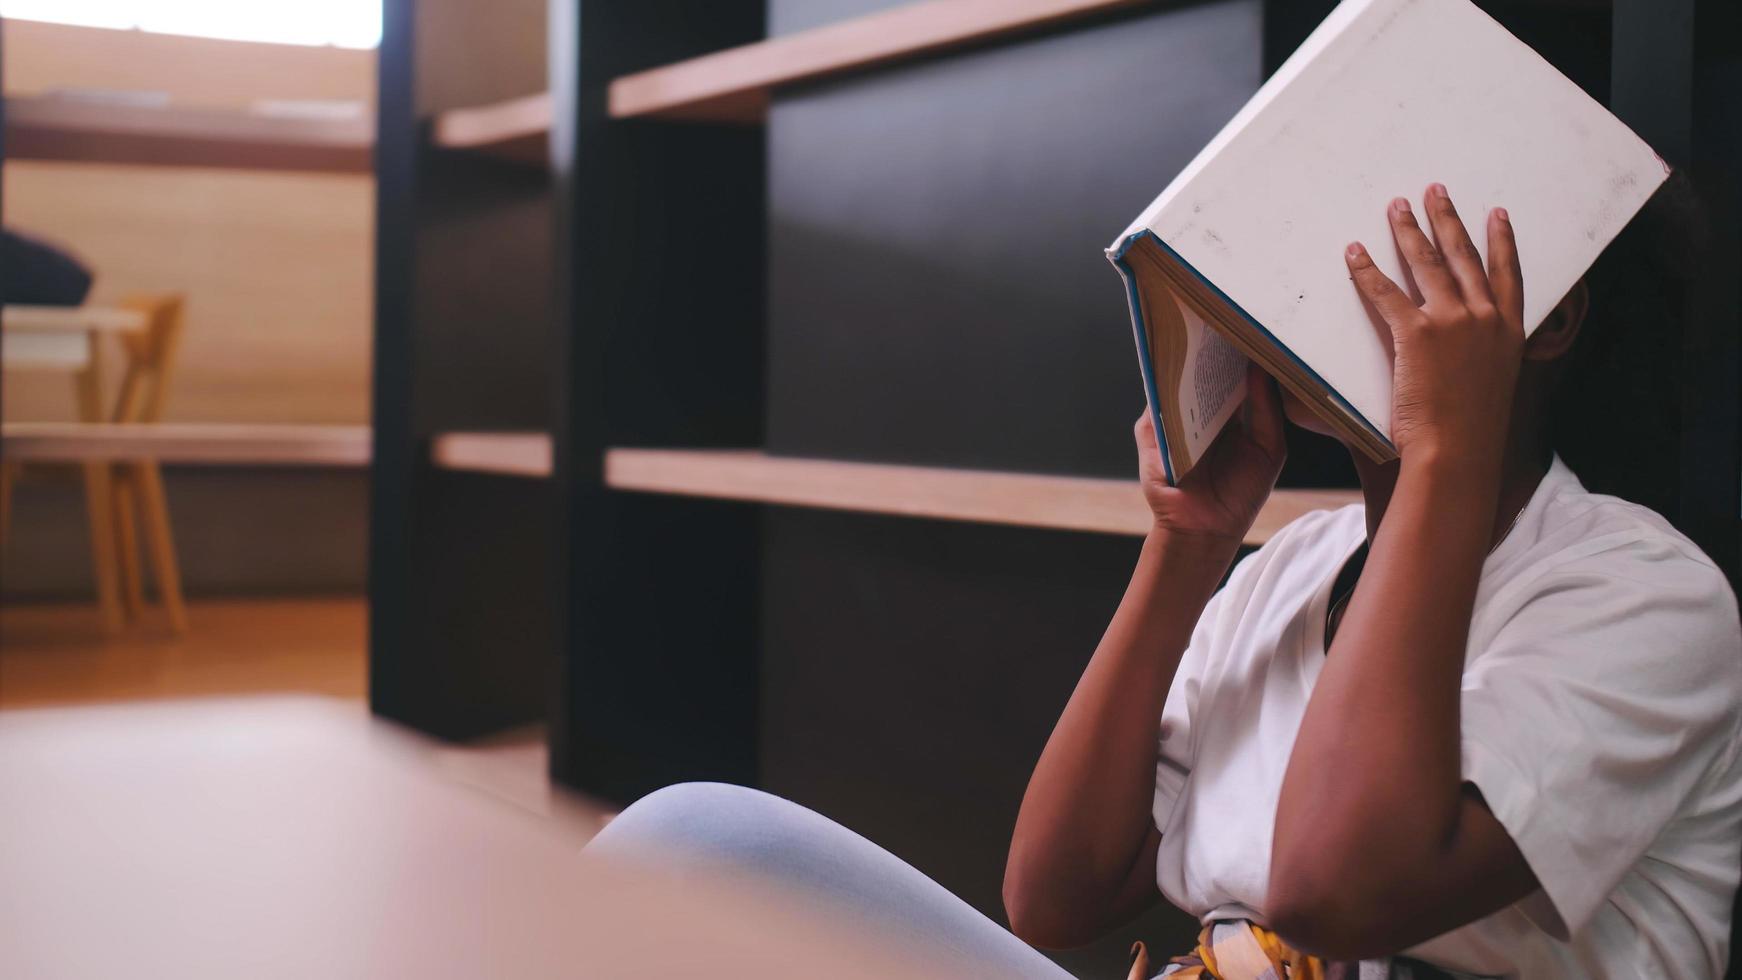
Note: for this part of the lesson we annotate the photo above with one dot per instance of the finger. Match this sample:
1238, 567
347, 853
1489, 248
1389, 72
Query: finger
1264, 410
1425, 262
1393, 304
1145, 432
1455, 246
1505, 276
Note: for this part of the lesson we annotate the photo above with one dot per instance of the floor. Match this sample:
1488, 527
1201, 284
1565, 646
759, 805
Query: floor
56, 654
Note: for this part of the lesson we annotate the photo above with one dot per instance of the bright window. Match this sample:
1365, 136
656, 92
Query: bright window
345, 23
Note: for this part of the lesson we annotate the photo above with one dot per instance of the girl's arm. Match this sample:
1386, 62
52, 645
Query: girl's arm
1082, 859
1379, 844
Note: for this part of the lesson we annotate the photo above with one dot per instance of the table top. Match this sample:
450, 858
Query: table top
63, 319
297, 837
192, 443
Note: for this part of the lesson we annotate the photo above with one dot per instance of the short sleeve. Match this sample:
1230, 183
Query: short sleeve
1596, 710
1174, 761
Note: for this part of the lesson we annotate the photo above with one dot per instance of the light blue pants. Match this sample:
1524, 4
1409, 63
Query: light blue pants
697, 826
701, 826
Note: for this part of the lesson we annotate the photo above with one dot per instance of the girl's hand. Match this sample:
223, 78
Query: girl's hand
1221, 496
1457, 354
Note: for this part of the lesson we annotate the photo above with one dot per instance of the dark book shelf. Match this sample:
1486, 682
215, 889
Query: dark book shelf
462, 590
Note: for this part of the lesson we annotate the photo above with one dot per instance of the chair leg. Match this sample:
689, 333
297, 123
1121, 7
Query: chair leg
100, 515
127, 541
161, 543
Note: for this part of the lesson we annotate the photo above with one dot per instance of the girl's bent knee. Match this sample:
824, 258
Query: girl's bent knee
688, 817
685, 802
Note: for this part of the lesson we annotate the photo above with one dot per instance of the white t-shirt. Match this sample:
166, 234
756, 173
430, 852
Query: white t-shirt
1601, 702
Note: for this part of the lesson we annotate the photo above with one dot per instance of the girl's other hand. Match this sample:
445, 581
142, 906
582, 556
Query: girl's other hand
1221, 496
1458, 353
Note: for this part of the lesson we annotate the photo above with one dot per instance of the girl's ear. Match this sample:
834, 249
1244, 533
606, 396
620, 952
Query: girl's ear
1555, 337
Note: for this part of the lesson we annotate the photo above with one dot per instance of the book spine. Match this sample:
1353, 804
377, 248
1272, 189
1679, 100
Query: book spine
1145, 364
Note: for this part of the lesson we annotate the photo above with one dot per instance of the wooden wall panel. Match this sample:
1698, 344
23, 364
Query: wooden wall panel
196, 70
276, 268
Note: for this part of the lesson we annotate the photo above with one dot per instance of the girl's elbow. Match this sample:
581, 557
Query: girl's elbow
1030, 918
1327, 911
1038, 918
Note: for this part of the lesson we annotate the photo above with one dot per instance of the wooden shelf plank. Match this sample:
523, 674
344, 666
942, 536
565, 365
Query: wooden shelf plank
1063, 502
51, 128
1071, 503
733, 85
517, 129
200, 444
506, 453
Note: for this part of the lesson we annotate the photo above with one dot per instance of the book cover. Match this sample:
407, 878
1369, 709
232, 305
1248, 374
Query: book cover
1384, 98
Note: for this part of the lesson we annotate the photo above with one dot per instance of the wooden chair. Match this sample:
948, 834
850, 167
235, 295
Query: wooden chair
138, 485
81, 356
120, 496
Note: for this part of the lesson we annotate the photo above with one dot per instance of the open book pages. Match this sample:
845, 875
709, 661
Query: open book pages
1194, 378
1385, 97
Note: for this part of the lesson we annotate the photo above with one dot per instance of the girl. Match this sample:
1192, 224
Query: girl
1485, 723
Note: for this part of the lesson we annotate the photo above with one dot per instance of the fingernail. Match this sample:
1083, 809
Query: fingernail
1502, 215
1401, 204
1356, 250
1135, 949
1437, 190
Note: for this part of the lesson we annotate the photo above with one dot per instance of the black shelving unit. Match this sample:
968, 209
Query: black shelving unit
462, 590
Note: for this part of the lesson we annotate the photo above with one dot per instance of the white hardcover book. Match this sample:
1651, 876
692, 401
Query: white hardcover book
1385, 97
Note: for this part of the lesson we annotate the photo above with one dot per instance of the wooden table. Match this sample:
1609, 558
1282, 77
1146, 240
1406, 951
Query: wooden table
68, 338
60, 337
296, 838
188, 443
51, 318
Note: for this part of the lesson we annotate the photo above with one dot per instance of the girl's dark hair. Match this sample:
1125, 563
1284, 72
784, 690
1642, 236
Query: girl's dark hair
1618, 412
